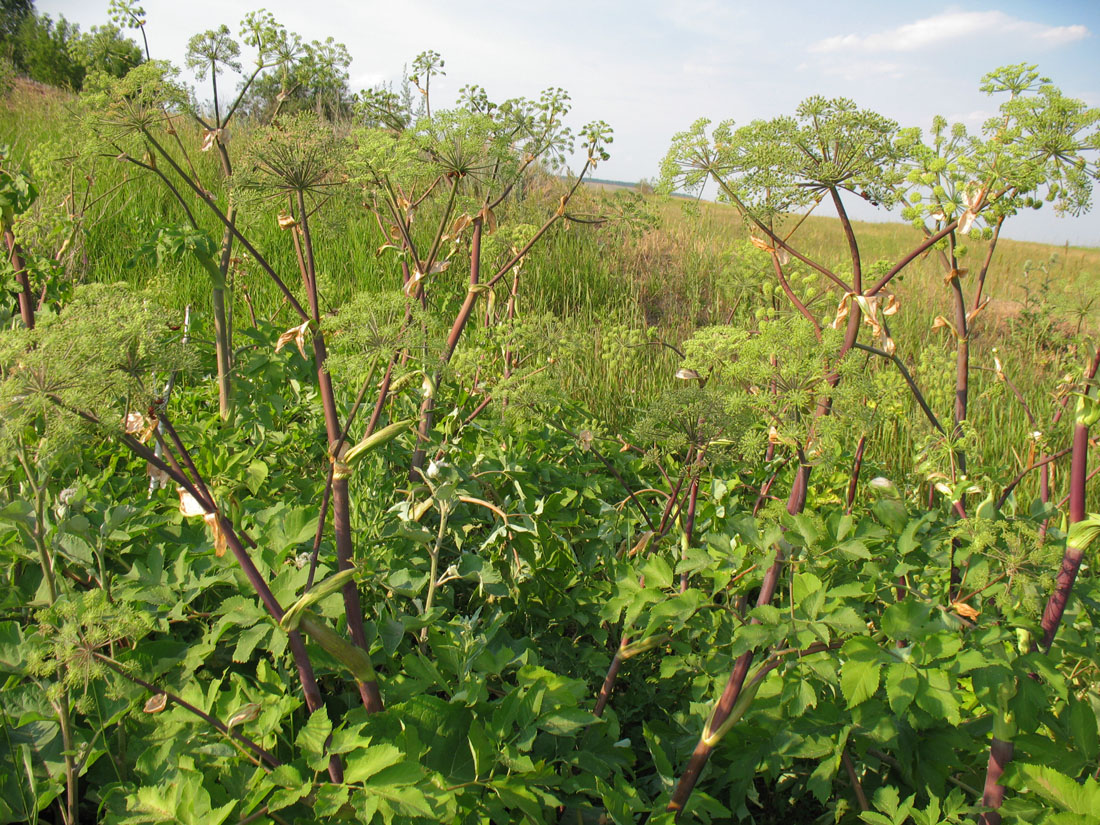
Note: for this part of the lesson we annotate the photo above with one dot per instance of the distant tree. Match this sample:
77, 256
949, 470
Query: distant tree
58, 53
106, 49
12, 15
42, 51
313, 78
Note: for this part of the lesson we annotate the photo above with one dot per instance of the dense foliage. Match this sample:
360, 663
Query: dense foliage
55, 52
363, 551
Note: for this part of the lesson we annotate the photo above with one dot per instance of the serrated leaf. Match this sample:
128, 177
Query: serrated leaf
1062, 791
902, 681
908, 619
313, 735
657, 572
859, 680
366, 763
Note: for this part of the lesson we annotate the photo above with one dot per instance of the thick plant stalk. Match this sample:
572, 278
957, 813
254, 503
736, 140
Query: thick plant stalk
1071, 559
26, 298
1001, 749
732, 692
369, 691
1044, 479
1000, 754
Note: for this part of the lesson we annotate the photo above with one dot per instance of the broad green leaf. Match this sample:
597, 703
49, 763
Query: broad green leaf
908, 620
902, 681
657, 572
859, 680
313, 735
566, 721
364, 764
1061, 791
937, 697
1081, 721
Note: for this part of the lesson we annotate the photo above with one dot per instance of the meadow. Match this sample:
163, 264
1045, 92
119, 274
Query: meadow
375, 468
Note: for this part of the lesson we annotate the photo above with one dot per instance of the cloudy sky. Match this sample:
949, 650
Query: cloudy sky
651, 67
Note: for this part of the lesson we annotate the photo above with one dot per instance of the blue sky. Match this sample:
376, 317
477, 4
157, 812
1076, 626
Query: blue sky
650, 68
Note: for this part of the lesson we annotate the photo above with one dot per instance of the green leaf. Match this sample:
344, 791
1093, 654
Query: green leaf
936, 696
366, 763
255, 476
566, 721
859, 680
892, 514
902, 681
657, 572
909, 619
248, 640
1081, 721
859, 675
1061, 791
313, 735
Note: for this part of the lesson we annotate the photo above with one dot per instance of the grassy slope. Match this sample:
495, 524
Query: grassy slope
686, 268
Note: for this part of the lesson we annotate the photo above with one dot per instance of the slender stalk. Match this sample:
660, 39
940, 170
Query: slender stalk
214, 722
853, 777
306, 675
608, 686
962, 360
689, 525
913, 388
208, 199
222, 351
433, 575
986, 262
1040, 464
427, 408
69, 811
853, 481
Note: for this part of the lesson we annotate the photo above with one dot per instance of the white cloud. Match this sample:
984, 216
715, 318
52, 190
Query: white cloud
861, 70
951, 26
